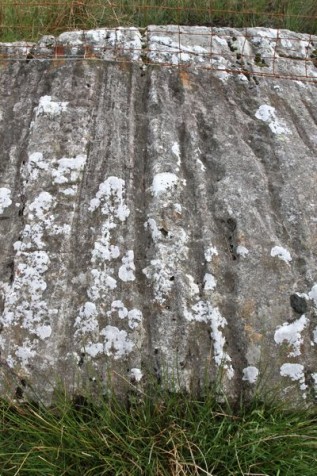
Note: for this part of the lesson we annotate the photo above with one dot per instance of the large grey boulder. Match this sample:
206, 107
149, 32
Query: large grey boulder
158, 220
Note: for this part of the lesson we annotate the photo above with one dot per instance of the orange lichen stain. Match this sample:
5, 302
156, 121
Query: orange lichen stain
4, 63
89, 52
252, 334
59, 56
124, 64
59, 51
216, 264
241, 239
248, 308
247, 311
185, 79
176, 215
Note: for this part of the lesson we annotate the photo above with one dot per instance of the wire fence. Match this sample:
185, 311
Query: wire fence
226, 42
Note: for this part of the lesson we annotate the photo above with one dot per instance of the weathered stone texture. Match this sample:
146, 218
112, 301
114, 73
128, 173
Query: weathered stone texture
157, 221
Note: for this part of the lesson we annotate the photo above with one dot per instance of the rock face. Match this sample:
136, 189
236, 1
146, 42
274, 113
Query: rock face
158, 220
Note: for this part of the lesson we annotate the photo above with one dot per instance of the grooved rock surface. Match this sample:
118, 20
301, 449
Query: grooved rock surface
156, 221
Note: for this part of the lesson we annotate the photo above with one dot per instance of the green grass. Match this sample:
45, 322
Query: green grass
30, 19
169, 434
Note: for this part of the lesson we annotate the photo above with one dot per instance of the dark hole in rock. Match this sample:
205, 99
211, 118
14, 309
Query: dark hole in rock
18, 393
172, 278
232, 224
163, 231
11, 268
21, 211
81, 360
298, 303
29, 56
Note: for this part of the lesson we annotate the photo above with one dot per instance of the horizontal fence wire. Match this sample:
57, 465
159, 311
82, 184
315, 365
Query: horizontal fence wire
238, 40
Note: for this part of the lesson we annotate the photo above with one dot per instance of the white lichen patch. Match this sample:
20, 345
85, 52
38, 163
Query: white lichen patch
110, 198
163, 182
118, 307
86, 322
116, 342
193, 288
24, 353
35, 165
24, 303
101, 283
267, 114
291, 334
210, 252
5, 198
134, 316
203, 311
242, 251
209, 282
126, 271
136, 375
159, 273
43, 332
69, 169
103, 249
40, 206
39, 220
177, 153
250, 374
110, 203
39, 216
296, 373
313, 294
281, 253
93, 349
62, 171
70, 191
30, 273
50, 108
151, 225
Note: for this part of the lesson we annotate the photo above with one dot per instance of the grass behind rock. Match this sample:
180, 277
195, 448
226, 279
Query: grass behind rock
169, 434
30, 19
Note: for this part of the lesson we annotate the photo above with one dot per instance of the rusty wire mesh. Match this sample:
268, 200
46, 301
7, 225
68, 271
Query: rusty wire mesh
226, 42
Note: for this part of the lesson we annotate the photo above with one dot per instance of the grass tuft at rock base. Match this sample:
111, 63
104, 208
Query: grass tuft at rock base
156, 433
